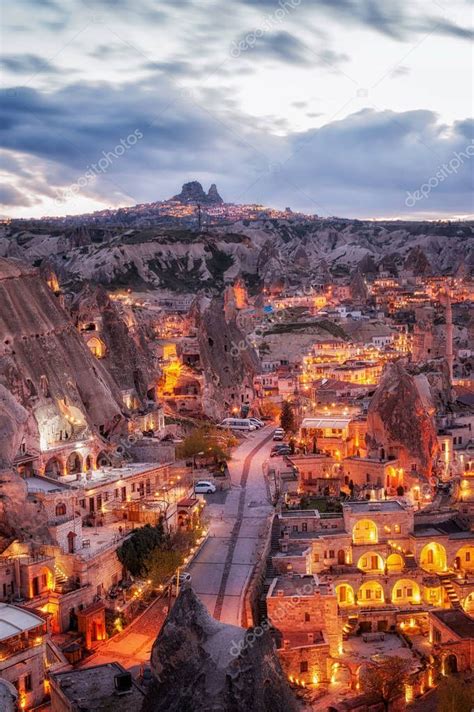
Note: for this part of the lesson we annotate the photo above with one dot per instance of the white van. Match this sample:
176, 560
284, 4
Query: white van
244, 424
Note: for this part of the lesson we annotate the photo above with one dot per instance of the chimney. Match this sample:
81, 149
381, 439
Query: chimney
311, 638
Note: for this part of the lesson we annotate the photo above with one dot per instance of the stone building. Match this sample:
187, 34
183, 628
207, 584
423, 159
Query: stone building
305, 615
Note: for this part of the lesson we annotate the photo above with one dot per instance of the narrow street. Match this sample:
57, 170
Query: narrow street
222, 567
220, 571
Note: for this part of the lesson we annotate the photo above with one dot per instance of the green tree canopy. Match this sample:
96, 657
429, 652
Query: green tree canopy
287, 418
135, 550
208, 440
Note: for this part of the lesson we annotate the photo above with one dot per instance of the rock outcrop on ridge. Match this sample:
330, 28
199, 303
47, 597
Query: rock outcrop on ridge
193, 193
202, 665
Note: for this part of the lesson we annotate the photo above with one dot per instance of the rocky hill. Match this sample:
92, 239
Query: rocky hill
116, 249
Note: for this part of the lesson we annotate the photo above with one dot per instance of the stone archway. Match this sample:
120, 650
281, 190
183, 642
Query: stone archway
464, 559
365, 532
450, 664
371, 561
53, 468
74, 463
345, 594
433, 558
406, 591
395, 563
369, 593
103, 460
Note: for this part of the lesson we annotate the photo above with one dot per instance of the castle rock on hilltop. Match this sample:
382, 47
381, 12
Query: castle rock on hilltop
193, 192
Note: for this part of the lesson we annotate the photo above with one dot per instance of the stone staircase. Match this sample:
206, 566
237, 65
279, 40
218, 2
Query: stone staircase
447, 583
349, 626
60, 578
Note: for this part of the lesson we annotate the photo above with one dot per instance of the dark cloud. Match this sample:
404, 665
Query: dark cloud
358, 166
397, 19
27, 64
12, 197
285, 47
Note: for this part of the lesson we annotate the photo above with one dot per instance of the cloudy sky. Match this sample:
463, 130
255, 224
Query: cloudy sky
337, 107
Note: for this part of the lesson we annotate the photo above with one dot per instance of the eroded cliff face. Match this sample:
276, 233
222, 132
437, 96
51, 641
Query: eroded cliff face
45, 363
400, 419
200, 664
128, 357
227, 356
19, 517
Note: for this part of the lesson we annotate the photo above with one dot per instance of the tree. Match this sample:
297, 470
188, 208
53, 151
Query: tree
385, 678
161, 565
269, 409
455, 695
135, 550
209, 441
287, 418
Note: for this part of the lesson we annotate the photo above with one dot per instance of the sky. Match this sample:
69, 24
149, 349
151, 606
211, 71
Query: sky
354, 108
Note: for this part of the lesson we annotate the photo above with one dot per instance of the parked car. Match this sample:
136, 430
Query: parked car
184, 579
204, 487
258, 423
243, 424
282, 450
279, 434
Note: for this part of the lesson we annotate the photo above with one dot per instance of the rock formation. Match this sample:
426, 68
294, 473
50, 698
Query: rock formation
200, 664
400, 419
19, 517
45, 363
227, 356
193, 193
213, 195
128, 354
358, 287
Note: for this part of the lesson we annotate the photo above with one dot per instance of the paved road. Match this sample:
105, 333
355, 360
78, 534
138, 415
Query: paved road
221, 570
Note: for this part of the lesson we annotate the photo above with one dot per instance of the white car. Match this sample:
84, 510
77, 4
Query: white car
204, 487
258, 423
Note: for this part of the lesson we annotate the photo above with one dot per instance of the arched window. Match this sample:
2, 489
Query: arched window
60, 509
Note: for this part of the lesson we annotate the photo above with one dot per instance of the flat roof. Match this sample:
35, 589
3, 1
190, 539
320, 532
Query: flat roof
15, 620
456, 620
329, 422
41, 484
93, 688
306, 585
367, 506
